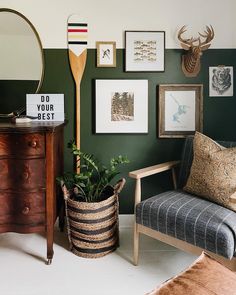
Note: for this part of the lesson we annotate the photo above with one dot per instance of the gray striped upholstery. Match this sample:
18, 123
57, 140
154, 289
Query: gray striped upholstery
187, 158
188, 217
191, 219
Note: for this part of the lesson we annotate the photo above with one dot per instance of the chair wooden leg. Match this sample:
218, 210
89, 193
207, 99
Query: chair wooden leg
136, 244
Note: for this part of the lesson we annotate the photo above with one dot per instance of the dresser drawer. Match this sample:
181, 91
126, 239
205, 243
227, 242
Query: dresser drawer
22, 174
22, 208
22, 144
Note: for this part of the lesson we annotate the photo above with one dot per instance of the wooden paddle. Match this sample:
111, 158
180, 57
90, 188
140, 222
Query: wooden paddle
77, 33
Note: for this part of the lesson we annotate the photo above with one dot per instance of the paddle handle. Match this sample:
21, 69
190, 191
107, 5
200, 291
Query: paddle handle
77, 64
77, 126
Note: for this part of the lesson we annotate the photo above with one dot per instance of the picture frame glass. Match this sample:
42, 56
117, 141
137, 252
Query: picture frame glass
180, 110
145, 51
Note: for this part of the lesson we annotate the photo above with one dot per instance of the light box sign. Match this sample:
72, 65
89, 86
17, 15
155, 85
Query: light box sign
46, 107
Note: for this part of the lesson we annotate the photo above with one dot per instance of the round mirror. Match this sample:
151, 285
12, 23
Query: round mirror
21, 60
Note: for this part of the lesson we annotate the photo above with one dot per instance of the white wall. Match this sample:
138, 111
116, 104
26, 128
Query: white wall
108, 19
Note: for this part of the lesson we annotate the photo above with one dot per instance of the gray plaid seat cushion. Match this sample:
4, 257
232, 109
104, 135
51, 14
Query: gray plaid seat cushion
191, 219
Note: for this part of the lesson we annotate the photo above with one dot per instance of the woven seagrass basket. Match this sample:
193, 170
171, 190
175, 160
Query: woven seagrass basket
93, 228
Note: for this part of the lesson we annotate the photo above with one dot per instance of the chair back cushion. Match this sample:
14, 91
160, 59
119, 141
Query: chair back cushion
187, 158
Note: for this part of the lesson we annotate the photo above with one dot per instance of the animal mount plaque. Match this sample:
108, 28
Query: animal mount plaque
45, 107
194, 47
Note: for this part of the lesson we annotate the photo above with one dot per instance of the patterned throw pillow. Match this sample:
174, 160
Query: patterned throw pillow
213, 171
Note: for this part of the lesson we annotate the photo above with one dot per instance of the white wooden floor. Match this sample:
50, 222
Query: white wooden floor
23, 272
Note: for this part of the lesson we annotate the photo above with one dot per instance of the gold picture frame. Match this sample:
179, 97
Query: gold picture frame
180, 110
106, 54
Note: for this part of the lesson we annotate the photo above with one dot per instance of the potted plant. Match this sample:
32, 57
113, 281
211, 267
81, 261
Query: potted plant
91, 204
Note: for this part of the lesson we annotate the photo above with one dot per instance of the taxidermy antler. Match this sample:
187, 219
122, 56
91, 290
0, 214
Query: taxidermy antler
194, 47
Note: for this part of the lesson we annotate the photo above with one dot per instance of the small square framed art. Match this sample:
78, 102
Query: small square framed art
221, 81
106, 54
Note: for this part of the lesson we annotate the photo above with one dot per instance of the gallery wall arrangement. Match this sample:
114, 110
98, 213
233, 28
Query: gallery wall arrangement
143, 149
111, 61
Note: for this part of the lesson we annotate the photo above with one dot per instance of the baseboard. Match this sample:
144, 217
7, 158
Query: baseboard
126, 220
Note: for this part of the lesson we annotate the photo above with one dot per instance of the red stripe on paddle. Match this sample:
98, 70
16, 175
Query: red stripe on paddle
78, 30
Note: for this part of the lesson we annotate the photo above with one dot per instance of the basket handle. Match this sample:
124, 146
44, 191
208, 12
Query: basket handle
66, 195
65, 191
119, 185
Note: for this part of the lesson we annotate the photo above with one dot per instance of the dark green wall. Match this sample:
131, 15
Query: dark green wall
12, 94
142, 150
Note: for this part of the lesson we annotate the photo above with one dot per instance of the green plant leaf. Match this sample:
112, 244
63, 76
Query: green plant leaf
93, 177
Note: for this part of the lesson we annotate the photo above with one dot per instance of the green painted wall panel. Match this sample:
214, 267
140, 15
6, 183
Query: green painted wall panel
12, 95
142, 149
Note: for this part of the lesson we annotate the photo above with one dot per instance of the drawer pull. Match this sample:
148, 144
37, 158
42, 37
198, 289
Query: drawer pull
25, 210
25, 175
33, 144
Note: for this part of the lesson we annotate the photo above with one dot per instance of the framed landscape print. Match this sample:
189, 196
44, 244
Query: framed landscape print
121, 106
221, 81
144, 51
180, 109
106, 54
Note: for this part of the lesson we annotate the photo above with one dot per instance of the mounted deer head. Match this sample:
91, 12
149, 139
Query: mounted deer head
194, 47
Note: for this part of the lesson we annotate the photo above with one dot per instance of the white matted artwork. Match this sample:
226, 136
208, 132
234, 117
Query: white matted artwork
144, 51
221, 81
121, 106
180, 109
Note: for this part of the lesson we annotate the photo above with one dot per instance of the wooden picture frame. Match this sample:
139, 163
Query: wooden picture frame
180, 110
121, 106
106, 54
144, 51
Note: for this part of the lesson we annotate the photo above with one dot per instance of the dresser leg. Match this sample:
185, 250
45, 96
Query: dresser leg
49, 255
50, 195
49, 236
48, 262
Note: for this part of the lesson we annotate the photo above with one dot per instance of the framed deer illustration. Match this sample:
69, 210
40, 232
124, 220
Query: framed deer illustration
194, 47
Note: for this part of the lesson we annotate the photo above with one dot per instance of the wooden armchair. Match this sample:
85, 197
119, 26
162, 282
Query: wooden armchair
183, 220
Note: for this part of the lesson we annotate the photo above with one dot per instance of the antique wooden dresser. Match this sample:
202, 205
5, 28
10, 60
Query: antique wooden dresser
31, 157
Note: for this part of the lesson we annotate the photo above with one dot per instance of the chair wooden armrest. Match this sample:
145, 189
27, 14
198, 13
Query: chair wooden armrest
233, 198
139, 174
153, 169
